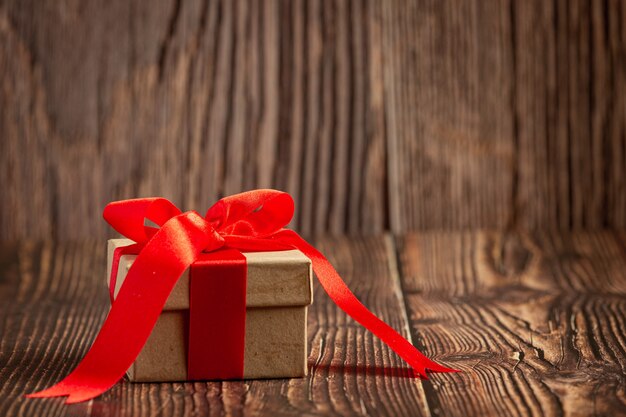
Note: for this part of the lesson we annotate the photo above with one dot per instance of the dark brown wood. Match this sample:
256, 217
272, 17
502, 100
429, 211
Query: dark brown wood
399, 115
448, 81
535, 323
570, 105
53, 300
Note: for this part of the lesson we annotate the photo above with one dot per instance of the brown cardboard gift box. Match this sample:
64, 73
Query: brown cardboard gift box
277, 297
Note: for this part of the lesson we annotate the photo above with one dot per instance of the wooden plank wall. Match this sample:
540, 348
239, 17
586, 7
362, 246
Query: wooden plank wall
399, 115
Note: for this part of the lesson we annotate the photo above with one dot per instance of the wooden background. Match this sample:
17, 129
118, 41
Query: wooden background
375, 115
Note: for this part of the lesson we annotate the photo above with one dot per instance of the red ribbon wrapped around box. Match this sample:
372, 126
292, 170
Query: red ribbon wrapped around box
250, 221
217, 298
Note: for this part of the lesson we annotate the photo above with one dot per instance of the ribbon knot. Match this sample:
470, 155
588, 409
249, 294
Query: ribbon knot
192, 219
250, 221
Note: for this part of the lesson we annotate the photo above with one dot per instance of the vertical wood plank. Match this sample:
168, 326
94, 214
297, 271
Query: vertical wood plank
447, 72
570, 104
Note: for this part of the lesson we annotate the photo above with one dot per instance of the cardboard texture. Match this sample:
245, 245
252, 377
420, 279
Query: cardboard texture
279, 291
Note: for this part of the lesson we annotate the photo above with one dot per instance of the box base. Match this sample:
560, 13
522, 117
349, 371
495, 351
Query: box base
275, 346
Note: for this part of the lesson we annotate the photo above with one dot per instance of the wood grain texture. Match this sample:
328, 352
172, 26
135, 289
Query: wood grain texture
569, 106
536, 322
448, 79
399, 115
53, 300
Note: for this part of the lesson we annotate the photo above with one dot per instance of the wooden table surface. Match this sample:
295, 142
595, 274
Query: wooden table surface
536, 322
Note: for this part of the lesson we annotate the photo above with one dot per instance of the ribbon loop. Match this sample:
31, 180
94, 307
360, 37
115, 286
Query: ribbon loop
257, 213
128, 216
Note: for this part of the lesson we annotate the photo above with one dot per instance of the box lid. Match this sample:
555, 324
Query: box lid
277, 278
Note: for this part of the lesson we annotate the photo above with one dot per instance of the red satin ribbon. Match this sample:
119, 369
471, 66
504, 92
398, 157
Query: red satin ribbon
250, 221
217, 316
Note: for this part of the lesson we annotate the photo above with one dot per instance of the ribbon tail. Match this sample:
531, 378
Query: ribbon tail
67, 387
135, 310
339, 292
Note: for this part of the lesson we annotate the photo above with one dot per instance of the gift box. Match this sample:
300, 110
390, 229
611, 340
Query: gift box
278, 293
190, 303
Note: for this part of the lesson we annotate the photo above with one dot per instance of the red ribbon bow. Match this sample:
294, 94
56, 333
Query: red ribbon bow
250, 221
